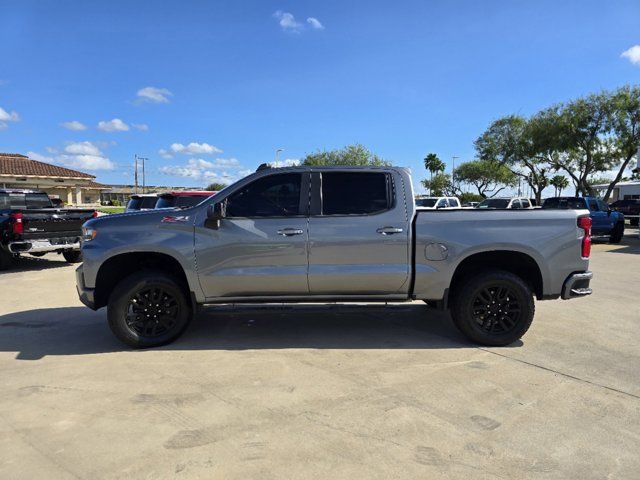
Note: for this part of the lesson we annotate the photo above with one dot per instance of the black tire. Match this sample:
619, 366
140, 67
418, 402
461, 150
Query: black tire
156, 295
6, 260
494, 319
72, 256
617, 233
38, 254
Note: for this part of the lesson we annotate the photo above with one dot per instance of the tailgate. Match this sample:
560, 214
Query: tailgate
52, 223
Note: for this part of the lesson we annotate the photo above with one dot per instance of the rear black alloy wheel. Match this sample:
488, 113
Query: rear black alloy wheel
148, 309
496, 309
493, 308
152, 312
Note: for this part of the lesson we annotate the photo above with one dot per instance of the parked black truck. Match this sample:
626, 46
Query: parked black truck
30, 224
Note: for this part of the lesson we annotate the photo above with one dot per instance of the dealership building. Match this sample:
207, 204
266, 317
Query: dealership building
71, 186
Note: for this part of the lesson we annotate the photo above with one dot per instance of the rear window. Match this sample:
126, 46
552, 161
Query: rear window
137, 203
355, 193
24, 200
565, 203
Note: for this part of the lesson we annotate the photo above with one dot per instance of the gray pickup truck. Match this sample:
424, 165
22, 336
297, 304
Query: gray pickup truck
316, 234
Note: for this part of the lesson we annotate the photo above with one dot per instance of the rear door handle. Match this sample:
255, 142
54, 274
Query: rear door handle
289, 232
388, 230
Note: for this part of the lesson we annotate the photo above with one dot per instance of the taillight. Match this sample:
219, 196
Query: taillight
585, 224
94, 214
18, 226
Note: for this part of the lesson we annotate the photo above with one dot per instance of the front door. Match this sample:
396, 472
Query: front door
358, 235
260, 247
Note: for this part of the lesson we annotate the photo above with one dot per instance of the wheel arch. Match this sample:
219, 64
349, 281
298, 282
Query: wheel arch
516, 262
119, 266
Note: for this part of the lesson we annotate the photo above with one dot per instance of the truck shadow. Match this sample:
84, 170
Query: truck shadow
35, 334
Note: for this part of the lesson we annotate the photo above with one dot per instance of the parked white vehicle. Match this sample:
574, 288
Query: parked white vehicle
433, 203
505, 202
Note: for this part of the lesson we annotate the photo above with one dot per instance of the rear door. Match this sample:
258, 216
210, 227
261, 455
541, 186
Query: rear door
260, 248
358, 234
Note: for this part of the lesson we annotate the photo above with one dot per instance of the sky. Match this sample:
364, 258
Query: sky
208, 90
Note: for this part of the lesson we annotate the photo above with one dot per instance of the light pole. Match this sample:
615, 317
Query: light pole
453, 170
278, 155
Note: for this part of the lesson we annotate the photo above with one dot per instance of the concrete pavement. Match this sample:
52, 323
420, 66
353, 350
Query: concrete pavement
317, 392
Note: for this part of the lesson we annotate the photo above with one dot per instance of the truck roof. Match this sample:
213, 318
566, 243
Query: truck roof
19, 190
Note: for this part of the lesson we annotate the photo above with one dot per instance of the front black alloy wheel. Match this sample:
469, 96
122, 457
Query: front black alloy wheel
493, 308
148, 309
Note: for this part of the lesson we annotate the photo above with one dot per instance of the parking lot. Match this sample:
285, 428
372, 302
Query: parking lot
317, 391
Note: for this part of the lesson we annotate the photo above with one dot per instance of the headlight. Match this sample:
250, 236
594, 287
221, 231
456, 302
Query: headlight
88, 234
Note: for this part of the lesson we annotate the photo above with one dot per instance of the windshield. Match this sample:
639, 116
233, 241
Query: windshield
494, 203
426, 202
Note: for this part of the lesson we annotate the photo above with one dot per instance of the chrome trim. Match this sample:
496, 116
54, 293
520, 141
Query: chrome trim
36, 246
569, 290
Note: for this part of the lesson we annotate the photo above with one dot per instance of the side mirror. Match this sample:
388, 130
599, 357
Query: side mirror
215, 213
609, 210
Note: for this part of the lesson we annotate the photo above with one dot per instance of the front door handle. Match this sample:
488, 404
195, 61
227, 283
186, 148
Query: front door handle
289, 232
389, 230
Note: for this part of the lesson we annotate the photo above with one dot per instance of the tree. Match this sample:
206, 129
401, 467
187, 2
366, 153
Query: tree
215, 186
583, 134
513, 141
466, 197
625, 124
440, 185
485, 175
559, 182
433, 164
350, 155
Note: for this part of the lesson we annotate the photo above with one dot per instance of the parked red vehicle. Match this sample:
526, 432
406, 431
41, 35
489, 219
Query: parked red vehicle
182, 199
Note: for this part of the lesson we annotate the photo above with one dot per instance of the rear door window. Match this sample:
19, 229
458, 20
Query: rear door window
355, 193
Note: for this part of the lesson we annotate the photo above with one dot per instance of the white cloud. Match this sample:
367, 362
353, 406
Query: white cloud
225, 170
154, 95
86, 162
287, 162
78, 155
164, 154
315, 23
287, 21
115, 125
143, 127
40, 158
82, 148
632, 54
194, 148
6, 117
74, 125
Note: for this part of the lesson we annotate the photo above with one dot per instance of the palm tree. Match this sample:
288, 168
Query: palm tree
434, 165
559, 182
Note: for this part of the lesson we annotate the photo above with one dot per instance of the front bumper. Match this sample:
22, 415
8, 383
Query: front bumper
577, 285
87, 295
44, 245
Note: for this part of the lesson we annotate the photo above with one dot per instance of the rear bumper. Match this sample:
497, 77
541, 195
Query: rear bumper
577, 285
85, 294
44, 245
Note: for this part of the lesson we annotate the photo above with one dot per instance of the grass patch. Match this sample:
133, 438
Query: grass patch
110, 210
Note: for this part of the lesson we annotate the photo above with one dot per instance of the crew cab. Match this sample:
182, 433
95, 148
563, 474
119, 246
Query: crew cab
325, 234
605, 220
29, 223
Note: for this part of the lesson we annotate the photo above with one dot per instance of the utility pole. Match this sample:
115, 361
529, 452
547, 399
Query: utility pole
278, 155
143, 160
135, 175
